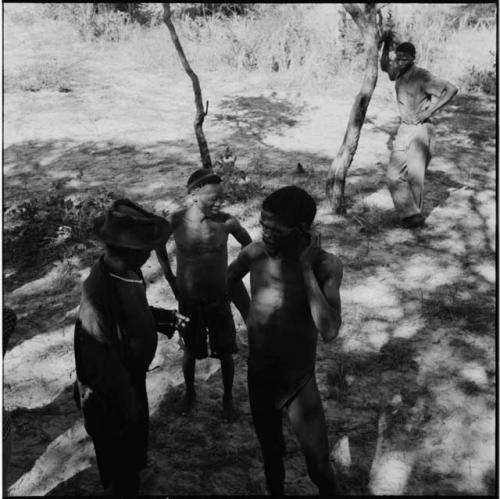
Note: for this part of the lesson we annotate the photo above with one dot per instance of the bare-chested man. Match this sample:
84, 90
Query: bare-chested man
200, 233
295, 293
420, 95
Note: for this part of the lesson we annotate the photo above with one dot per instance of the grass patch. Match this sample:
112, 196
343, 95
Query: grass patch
46, 75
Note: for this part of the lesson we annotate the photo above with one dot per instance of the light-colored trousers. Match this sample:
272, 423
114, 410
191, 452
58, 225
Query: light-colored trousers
411, 154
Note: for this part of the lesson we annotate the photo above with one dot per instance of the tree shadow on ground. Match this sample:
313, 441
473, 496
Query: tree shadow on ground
35, 429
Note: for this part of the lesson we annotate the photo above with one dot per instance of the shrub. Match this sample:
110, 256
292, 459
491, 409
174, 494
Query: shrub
50, 224
479, 79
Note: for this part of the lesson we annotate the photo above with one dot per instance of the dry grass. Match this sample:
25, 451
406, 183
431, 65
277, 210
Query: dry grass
307, 43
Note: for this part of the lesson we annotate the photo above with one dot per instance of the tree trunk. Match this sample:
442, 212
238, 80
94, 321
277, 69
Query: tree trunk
200, 112
366, 20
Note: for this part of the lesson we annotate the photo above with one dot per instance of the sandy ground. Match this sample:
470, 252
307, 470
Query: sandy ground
409, 386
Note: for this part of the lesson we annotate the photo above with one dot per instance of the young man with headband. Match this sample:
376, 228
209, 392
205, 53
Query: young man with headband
420, 95
200, 233
295, 293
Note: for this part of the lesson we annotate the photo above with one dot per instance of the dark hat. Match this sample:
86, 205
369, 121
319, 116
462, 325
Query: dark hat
407, 48
202, 177
127, 225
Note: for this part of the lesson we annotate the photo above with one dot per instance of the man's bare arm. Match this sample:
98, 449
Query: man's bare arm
324, 301
239, 233
236, 289
385, 61
161, 254
444, 95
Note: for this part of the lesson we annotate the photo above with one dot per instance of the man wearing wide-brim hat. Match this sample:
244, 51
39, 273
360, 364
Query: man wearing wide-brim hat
115, 342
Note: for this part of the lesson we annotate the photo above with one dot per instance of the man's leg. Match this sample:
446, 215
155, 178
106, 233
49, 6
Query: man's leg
397, 179
188, 369
308, 422
418, 158
227, 367
268, 423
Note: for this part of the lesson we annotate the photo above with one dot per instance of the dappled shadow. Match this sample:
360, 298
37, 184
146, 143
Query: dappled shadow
252, 118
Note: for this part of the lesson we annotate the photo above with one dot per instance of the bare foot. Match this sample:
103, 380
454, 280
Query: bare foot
187, 404
229, 411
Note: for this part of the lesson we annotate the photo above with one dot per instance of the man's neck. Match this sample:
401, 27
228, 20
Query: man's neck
195, 214
405, 70
116, 264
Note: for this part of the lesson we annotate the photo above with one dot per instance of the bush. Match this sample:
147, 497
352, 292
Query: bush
481, 79
107, 25
50, 224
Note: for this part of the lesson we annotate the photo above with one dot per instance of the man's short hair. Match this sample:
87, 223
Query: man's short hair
202, 177
406, 48
292, 205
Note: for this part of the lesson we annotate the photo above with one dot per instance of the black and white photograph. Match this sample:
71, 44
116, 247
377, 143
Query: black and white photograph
249, 249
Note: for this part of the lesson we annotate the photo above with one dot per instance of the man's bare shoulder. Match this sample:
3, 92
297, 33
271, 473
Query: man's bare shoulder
328, 265
254, 250
176, 218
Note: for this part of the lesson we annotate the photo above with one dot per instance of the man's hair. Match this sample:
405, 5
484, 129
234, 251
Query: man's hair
292, 205
407, 48
202, 177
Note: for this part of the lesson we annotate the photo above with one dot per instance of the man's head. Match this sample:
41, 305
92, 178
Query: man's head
287, 215
130, 232
206, 191
405, 56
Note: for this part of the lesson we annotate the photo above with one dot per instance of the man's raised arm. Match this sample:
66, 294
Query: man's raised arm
324, 300
385, 61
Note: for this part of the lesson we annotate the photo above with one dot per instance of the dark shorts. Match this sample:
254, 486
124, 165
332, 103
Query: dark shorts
215, 322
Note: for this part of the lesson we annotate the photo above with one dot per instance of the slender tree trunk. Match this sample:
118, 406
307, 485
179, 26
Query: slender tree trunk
365, 17
198, 100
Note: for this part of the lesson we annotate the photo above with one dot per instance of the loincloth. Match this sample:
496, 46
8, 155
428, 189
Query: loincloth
276, 387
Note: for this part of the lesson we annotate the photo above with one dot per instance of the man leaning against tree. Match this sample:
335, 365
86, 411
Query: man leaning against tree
419, 95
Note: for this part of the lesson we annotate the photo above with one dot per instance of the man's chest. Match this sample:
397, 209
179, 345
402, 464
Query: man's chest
205, 237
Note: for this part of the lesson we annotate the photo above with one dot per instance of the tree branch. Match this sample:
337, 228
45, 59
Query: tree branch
198, 100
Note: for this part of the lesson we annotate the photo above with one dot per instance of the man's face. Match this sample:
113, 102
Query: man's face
209, 199
135, 259
403, 61
276, 235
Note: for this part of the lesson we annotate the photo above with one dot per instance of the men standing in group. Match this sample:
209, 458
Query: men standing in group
115, 341
419, 95
294, 293
201, 233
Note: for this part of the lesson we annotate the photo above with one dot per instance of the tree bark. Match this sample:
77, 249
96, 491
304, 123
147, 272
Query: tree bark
198, 100
365, 17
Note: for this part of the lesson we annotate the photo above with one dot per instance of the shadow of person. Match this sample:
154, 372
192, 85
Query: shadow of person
373, 399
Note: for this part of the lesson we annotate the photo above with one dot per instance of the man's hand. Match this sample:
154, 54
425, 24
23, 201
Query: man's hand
310, 252
181, 321
422, 116
169, 321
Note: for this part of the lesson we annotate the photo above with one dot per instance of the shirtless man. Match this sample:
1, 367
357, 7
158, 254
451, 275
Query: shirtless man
200, 233
420, 95
295, 293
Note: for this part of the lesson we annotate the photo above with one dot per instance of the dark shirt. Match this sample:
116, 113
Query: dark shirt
115, 339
